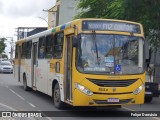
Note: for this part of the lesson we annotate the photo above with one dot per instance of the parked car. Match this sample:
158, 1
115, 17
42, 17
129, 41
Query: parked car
152, 88
1, 60
6, 67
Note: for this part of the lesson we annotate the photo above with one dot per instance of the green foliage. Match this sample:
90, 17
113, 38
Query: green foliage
2, 45
146, 12
92, 8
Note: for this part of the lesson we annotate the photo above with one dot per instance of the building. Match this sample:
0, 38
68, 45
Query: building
23, 32
64, 11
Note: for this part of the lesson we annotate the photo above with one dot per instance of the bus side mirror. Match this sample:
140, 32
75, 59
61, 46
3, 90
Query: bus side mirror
146, 49
74, 41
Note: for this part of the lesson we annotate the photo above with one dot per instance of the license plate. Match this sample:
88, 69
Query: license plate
113, 100
148, 93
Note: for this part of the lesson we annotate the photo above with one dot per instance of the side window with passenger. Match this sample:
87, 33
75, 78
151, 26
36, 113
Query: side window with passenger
58, 45
42, 46
28, 49
24, 48
49, 45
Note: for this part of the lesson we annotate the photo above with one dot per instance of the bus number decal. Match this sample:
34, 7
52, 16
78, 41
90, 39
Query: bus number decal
103, 89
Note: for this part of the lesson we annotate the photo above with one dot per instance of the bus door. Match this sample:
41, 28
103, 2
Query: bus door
34, 64
19, 62
68, 68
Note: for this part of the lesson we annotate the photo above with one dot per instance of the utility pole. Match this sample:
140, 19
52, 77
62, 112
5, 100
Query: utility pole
12, 47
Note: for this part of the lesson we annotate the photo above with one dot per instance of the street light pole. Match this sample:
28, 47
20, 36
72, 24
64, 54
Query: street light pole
45, 21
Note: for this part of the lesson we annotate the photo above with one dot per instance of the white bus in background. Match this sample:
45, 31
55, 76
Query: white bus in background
152, 85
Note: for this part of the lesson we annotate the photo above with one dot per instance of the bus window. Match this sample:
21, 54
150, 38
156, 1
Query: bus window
16, 52
58, 45
41, 50
49, 45
28, 49
24, 47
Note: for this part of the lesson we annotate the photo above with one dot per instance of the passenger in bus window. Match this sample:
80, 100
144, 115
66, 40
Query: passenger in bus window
41, 54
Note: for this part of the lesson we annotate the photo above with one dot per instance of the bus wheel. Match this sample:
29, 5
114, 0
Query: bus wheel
26, 88
57, 97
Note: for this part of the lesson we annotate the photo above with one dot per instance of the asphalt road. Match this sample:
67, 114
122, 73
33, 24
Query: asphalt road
14, 98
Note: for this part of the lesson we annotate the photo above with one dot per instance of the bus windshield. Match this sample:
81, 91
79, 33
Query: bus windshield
110, 54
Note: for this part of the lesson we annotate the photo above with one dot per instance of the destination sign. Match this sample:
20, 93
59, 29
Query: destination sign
111, 26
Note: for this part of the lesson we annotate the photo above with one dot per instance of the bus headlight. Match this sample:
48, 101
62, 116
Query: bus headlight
83, 89
139, 89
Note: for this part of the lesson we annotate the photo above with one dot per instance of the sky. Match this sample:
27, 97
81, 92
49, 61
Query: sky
22, 13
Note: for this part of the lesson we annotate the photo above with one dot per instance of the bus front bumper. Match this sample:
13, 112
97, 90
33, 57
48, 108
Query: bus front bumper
81, 99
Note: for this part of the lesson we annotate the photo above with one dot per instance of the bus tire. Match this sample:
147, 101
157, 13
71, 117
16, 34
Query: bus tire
26, 88
57, 97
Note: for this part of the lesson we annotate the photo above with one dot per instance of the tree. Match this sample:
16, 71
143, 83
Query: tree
92, 8
146, 12
2, 45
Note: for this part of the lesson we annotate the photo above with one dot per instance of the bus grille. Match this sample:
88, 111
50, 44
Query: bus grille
113, 83
106, 102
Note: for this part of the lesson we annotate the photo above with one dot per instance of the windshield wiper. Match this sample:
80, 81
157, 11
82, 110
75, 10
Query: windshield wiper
95, 41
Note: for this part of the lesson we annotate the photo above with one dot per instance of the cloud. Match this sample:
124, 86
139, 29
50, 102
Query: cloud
1, 6
23, 8
22, 13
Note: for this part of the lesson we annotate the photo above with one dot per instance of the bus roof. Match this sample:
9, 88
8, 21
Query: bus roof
69, 24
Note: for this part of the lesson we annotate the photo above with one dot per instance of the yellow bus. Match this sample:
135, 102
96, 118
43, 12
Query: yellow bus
85, 62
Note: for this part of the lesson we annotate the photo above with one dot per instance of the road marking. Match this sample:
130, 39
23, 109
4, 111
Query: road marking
22, 98
157, 118
12, 109
1, 104
17, 94
49, 118
31, 104
128, 109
